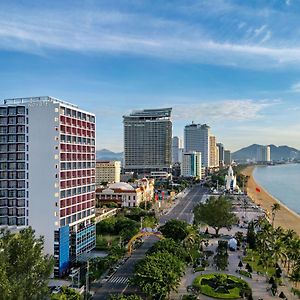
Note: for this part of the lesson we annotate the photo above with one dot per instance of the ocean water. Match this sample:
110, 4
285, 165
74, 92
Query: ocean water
282, 182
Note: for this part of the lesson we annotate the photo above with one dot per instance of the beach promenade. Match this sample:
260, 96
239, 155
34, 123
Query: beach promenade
285, 217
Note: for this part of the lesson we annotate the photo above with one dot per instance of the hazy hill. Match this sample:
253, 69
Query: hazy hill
105, 154
277, 153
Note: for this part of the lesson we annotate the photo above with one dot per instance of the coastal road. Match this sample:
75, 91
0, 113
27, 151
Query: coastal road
118, 283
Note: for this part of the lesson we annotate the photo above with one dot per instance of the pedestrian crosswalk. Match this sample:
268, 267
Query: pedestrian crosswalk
118, 279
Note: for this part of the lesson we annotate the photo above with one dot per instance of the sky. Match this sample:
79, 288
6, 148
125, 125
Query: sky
234, 65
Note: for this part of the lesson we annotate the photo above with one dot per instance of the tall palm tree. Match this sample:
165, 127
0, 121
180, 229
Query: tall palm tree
275, 209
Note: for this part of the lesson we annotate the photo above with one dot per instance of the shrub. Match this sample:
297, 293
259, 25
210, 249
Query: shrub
245, 273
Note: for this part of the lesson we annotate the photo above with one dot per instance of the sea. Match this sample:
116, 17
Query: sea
282, 182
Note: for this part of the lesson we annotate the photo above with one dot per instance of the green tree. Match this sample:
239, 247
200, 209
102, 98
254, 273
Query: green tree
24, 269
66, 294
158, 274
175, 229
169, 246
215, 212
275, 209
251, 236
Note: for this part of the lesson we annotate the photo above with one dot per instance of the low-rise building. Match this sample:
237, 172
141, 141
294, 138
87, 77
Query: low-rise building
125, 194
191, 164
107, 171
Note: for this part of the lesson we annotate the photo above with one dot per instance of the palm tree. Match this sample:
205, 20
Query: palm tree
295, 277
275, 208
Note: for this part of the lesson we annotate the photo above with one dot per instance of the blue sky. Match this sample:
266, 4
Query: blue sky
232, 64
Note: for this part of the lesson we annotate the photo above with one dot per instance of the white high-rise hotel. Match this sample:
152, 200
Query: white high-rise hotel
197, 138
47, 177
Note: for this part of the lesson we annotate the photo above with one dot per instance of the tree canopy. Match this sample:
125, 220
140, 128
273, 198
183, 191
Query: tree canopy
24, 269
175, 229
158, 274
215, 212
66, 294
169, 246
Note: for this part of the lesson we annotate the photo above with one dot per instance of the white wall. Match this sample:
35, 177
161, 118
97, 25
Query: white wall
43, 119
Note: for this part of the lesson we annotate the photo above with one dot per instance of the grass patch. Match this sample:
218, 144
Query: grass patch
104, 242
253, 258
221, 286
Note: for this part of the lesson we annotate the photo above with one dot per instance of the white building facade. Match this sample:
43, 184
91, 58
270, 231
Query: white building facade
196, 138
176, 148
126, 195
47, 178
263, 154
191, 164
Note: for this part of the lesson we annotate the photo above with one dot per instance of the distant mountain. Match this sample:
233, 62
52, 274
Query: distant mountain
277, 153
105, 154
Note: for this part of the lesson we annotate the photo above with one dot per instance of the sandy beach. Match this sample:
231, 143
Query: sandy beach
285, 217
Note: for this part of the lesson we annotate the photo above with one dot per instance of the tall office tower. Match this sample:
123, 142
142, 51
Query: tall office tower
108, 171
196, 138
47, 177
263, 154
191, 164
213, 158
148, 141
227, 157
221, 153
176, 146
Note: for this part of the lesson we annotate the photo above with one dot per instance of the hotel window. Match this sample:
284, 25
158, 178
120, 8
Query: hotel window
12, 129
12, 111
3, 111
62, 110
21, 110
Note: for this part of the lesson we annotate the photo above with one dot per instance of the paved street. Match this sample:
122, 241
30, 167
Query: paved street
118, 283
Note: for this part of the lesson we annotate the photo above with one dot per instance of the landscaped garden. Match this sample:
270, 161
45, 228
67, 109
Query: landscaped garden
222, 286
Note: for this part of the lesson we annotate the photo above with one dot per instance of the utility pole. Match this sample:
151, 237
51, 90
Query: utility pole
142, 222
87, 279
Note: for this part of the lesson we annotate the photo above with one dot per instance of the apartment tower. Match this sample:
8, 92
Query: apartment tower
148, 141
213, 152
176, 149
221, 153
263, 154
47, 177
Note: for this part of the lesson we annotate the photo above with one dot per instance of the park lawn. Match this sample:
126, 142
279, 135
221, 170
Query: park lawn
103, 242
254, 263
205, 289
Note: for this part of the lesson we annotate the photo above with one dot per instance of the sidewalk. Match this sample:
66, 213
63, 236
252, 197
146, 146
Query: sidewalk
258, 283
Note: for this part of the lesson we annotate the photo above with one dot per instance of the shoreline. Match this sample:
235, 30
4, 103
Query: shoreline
285, 217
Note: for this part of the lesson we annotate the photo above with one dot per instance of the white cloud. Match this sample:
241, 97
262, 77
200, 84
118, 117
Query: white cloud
260, 30
267, 36
295, 88
233, 110
114, 32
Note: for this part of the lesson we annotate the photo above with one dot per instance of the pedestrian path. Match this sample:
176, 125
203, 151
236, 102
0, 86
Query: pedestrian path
119, 279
